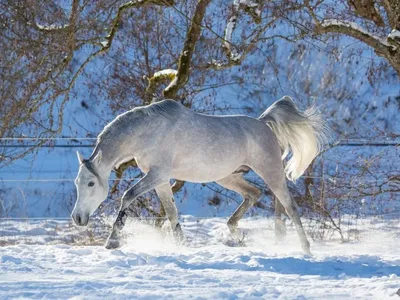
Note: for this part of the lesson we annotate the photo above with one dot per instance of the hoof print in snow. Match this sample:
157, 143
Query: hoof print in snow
112, 244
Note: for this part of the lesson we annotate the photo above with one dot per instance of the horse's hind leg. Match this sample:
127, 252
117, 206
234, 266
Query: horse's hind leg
277, 183
280, 226
250, 194
166, 196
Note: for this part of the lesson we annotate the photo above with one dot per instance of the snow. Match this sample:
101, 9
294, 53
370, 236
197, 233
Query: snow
105, 44
172, 83
51, 260
235, 55
218, 65
166, 72
230, 27
151, 266
395, 34
229, 30
248, 3
52, 27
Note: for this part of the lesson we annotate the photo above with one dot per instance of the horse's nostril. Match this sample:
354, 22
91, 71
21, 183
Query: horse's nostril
78, 219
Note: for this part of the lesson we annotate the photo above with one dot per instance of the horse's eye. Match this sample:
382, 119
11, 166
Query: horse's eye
91, 183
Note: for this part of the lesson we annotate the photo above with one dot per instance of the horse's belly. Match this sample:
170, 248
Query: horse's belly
210, 176
204, 172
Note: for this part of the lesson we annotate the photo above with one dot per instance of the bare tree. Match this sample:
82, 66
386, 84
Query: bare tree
161, 48
48, 44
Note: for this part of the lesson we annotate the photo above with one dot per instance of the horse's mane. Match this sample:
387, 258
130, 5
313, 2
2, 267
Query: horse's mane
169, 109
166, 108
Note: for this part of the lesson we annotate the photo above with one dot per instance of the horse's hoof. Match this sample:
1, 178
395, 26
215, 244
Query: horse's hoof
236, 239
280, 234
112, 244
238, 235
307, 253
306, 249
179, 237
178, 234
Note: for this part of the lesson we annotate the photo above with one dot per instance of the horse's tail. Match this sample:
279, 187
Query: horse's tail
302, 133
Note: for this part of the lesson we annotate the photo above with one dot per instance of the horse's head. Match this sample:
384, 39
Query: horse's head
92, 189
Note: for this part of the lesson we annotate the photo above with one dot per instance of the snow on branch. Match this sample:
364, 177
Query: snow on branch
356, 31
252, 8
388, 47
394, 36
234, 56
178, 78
106, 44
167, 74
170, 73
231, 52
135, 3
52, 27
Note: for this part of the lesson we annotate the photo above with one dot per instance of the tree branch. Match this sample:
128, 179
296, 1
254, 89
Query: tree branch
354, 30
136, 3
181, 76
155, 80
392, 8
230, 50
367, 9
192, 36
238, 59
109, 39
60, 28
250, 7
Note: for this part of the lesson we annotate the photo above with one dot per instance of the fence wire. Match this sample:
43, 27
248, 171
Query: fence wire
62, 230
338, 143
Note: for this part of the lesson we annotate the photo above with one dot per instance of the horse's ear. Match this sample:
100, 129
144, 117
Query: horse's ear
97, 159
80, 157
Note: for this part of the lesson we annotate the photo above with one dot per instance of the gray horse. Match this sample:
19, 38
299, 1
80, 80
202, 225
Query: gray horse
169, 141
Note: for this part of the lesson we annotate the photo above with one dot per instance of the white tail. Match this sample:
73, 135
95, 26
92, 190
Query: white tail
302, 133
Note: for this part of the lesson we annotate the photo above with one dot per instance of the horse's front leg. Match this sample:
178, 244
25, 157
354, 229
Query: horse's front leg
144, 185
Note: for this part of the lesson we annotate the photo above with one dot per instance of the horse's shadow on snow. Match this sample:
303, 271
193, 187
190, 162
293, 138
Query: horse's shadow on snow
338, 267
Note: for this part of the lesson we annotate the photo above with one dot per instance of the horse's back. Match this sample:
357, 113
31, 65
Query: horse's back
240, 130
208, 148
198, 147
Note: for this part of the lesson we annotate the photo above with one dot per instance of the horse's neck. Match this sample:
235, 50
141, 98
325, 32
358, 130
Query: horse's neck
111, 158
117, 135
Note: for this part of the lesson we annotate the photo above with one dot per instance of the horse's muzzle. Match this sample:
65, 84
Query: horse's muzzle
80, 220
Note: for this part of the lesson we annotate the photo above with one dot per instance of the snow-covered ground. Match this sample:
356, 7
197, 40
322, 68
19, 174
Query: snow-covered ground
45, 259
